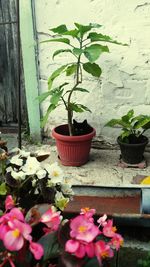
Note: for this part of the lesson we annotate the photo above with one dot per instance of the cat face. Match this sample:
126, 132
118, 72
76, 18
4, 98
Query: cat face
81, 128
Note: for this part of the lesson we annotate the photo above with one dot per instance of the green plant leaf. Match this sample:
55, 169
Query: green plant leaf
115, 122
92, 68
83, 28
78, 107
77, 51
128, 116
61, 51
73, 33
81, 89
60, 29
50, 245
142, 122
43, 96
71, 69
45, 118
95, 37
55, 74
59, 40
56, 97
3, 189
93, 52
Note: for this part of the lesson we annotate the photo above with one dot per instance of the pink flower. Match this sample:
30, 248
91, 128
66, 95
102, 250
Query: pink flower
37, 250
52, 219
9, 203
83, 229
109, 230
116, 241
102, 220
102, 251
87, 212
80, 249
14, 238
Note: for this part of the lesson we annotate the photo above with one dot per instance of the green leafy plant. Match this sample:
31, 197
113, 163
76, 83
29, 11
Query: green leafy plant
86, 48
132, 126
145, 262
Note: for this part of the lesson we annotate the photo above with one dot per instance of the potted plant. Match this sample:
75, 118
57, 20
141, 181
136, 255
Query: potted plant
132, 142
73, 139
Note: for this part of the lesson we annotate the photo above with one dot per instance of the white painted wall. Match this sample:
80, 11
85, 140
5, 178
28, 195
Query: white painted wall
125, 81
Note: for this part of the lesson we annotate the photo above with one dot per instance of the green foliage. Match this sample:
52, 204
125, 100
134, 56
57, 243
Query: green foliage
131, 125
85, 52
145, 262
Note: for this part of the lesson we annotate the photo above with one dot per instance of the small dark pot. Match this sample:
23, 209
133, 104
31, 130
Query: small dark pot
132, 153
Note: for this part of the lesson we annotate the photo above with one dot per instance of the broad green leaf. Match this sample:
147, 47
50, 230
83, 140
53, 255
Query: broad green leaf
81, 90
61, 51
56, 97
43, 96
115, 122
3, 189
141, 123
55, 74
77, 51
59, 40
45, 118
128, 116
125, 134
83, 28
92, 68
50, 244
92, 262
95, 37
73, 33
94, 51
95, 25
60, 29
85, 108
71, 69
76, 107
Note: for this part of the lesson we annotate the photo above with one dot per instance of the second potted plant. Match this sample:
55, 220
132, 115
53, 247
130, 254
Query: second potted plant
132, 142
73, 139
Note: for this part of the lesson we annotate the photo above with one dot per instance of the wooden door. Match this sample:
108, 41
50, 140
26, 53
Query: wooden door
8, 66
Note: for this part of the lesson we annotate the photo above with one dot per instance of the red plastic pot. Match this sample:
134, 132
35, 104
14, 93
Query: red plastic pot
72, 150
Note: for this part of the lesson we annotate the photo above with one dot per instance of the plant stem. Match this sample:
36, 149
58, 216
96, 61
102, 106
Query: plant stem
69, 110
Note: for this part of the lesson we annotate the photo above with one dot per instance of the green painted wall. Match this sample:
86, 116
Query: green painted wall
30, 71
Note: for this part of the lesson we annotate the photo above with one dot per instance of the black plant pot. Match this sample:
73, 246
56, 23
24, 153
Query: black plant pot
132, 153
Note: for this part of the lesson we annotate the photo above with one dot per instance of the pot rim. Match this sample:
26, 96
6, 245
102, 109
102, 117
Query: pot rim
73, 138
133, 145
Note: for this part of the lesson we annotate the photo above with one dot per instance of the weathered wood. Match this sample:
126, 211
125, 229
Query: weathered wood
8, 66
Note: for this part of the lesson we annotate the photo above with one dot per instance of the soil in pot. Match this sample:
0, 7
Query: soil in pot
133, 151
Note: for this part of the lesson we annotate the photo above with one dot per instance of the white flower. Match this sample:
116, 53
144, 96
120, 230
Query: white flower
32, 166
16, 160
66, 189
55, 173
18, 175
24, 153
9, 169
41, 174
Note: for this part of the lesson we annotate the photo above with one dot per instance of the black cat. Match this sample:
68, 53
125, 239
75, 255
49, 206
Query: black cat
81, 128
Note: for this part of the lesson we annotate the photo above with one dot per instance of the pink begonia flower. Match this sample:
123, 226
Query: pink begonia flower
87, 212
102, 220
51, 218
37, 250
109, 230
102, 251
80, 249
14, 238
83, 229
3, 230
116, 241
9, 203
